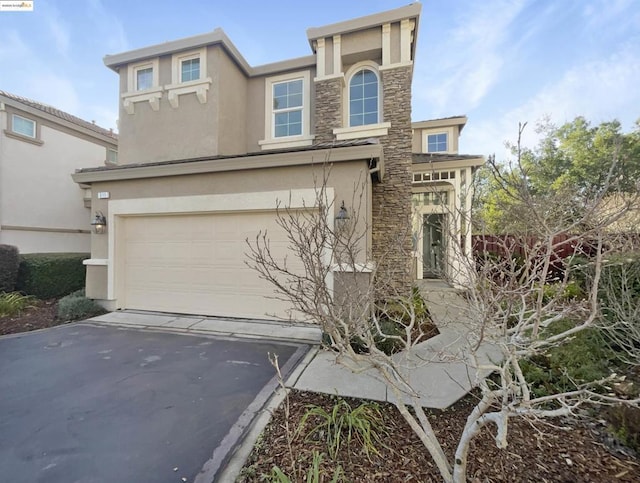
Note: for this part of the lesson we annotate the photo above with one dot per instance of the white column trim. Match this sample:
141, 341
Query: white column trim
337, 55
320, 58
406, 27
386, 44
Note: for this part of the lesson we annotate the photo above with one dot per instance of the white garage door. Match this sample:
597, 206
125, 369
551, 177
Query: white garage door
195, 264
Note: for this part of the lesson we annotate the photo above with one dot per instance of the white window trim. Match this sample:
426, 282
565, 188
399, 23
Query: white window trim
13, 126
367, 64
425, 140
199, 87
304, 139
152, 95
366, 131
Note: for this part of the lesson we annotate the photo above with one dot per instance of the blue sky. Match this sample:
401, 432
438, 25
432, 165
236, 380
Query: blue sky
500, 62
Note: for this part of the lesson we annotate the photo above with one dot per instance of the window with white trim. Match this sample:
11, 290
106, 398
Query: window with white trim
188, 66
287, 111
287, 108
22, 125
144, 78
112, 156
364, 96
142, 85
437, 143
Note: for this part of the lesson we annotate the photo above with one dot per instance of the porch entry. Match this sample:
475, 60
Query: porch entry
433, 245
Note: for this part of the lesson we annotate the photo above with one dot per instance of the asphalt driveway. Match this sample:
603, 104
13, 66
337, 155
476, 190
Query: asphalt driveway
82, 403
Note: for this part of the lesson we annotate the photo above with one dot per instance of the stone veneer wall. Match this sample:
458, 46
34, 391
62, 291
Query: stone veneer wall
328, 109
392, 244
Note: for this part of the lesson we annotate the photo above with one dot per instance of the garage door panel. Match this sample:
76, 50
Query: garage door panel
196, 264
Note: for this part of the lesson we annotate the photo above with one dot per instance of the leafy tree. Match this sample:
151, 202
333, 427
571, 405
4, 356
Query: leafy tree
574, 161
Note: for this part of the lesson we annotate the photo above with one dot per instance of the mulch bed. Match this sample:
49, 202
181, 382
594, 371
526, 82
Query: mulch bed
564, 451
40, 315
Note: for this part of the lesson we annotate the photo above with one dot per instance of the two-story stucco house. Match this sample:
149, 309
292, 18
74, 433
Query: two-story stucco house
41, 208
209, 146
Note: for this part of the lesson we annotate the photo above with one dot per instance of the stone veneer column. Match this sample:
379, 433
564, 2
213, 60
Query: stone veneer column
328, 108
391, 235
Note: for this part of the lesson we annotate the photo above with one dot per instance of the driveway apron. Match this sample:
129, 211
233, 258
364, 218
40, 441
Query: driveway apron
81, 403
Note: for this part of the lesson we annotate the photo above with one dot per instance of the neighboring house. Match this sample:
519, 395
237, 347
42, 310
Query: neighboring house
41, 208
209, 146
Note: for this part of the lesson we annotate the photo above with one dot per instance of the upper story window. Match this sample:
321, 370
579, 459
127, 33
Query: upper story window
362, 115
112, 156
363, 98
144, 78
23, 126
287, 111
437, 143
142, 85
190, 70
188, 66
287, 108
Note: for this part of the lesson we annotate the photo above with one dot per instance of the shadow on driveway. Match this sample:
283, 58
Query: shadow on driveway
81, 403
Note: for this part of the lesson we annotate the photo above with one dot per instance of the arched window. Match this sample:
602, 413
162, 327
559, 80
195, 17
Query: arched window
363, 98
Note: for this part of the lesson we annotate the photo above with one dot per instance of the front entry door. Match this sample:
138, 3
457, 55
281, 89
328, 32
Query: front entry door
433, 245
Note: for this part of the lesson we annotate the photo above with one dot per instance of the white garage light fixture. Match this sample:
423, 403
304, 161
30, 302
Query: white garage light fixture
99, 223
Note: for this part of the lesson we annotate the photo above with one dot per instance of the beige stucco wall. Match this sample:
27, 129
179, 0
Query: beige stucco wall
188, 131
341, 179
41, 208
232, 105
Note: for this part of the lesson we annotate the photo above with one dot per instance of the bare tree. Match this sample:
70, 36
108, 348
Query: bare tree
508, 308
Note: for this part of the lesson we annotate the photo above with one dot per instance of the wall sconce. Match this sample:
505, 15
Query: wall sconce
99, 223
342, 217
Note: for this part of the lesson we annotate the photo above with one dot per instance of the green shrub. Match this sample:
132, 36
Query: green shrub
9, 263
582, 359
77, 307
49, 275
13, 303
395, 316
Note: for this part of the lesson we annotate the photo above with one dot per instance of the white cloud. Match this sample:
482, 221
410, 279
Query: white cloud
107, 27
600, 90
467, 60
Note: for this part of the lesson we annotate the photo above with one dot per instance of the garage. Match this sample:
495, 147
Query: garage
195, 264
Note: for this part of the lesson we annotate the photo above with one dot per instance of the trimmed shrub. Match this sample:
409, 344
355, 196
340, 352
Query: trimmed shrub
50, 275
9, 263
76, 306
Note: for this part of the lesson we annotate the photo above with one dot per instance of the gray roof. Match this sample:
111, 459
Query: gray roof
59, 114
313, 147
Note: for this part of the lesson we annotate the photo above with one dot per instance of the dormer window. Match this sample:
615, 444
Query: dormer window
437, 143
363, 98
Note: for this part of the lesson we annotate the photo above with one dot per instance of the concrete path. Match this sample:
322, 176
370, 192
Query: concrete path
438, 369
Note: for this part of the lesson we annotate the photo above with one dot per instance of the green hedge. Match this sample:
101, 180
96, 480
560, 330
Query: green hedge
49, 275
9, 263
